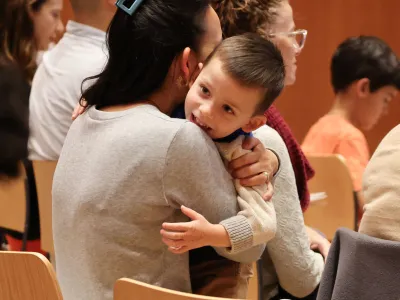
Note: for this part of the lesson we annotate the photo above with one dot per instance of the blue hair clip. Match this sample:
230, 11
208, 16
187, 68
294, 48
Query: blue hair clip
131, 10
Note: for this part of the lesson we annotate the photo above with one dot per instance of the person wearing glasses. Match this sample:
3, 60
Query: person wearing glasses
289, 265
365, 78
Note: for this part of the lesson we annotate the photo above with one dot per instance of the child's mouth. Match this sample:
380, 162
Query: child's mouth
196, 121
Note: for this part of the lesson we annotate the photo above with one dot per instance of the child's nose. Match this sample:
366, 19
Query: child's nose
206, 110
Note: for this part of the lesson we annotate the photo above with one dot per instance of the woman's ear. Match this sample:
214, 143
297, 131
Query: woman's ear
189, 64
255, 123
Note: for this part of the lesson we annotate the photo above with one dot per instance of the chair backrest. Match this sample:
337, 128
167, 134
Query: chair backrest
333, 186
129, 289
252, 293
27, 275
13, 203
44, 171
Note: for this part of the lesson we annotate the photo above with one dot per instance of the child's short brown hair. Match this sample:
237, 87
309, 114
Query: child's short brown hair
254, 62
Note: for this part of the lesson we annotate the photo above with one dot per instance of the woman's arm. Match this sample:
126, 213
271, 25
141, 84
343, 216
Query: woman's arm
299, 269
195, 177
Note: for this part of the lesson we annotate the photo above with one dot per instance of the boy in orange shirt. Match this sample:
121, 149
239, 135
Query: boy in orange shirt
365, 78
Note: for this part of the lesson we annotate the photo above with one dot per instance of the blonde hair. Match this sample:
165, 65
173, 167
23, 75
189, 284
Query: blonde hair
241, 16
17, 38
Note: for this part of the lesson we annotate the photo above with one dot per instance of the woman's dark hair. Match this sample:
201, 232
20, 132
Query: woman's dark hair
17, 34
254, 62
142, 48
364, 57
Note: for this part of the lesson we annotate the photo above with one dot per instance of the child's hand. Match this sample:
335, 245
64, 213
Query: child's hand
182, 237
318, 242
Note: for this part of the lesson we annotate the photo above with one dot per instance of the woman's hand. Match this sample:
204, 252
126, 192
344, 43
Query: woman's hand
185, 236
318, 242
79, 109
256, 167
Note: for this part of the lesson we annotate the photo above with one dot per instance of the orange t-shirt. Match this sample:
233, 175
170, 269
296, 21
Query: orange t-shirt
333, 134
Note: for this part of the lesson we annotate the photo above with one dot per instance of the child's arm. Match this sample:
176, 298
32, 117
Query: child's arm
185, 236
259, 218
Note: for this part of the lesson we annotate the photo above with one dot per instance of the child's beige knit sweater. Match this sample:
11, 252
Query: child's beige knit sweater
259, 213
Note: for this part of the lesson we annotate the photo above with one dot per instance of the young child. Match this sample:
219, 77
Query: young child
238, 82
365, 78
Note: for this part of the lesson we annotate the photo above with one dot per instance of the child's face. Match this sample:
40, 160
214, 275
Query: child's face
220, 105
374, 106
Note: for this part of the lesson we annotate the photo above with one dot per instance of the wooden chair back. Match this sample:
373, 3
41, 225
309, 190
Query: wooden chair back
253, 292
27, 275
332, 197
129, 289
13, 203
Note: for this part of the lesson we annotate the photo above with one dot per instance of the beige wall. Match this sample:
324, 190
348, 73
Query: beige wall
329, 22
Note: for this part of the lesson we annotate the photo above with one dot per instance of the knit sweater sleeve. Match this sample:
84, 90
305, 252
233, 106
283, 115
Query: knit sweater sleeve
298, 268
195, 176
257, 213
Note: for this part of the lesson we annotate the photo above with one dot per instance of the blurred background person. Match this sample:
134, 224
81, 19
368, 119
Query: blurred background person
364, 77
56, 86
26, 27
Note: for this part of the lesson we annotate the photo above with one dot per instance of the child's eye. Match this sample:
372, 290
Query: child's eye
205, 90
227, 109
55, 14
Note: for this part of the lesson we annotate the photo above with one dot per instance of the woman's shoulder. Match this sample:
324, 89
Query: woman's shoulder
183, 130
192, 137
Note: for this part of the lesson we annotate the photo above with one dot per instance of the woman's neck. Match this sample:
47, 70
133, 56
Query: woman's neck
167, 98
158, 101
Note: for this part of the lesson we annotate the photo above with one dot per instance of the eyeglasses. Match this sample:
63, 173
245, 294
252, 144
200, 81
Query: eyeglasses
299, 35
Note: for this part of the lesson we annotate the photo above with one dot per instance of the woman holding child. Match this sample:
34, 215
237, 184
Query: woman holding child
136, 165
120, 201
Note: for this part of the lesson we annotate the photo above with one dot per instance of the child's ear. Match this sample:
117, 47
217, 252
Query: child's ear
254, 123
195, 74
363, 87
